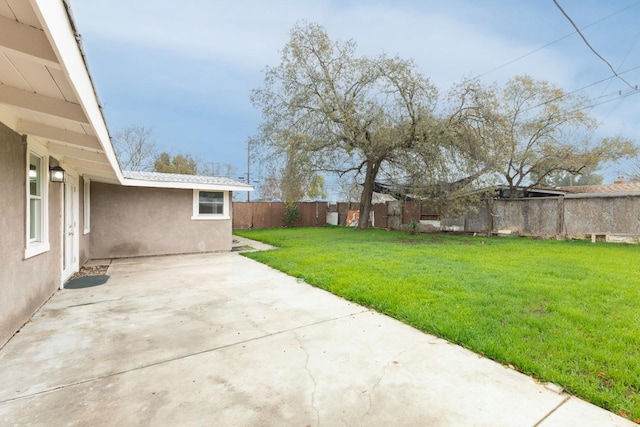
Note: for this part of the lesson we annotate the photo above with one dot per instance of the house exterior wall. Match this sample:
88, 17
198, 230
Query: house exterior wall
25, 284
141, 221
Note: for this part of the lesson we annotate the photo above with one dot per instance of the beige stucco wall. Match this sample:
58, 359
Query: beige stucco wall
24, 284
137, 221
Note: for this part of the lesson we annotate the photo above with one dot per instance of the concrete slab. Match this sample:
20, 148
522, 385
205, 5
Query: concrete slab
578, 413
243, 244
97, 262
218, 339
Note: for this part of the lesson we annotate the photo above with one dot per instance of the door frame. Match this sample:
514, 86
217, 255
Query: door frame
70, 248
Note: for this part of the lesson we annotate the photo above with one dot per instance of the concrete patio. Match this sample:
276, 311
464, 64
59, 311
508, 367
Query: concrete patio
218, 339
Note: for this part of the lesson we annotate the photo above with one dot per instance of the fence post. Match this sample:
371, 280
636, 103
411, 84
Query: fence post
490, 209
560, 227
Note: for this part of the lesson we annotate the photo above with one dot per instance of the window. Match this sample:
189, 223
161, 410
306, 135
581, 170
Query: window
210, 204
86, 188
37, 208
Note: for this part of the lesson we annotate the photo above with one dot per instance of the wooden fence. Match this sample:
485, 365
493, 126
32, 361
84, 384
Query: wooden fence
615, 216
252, 215
255, 215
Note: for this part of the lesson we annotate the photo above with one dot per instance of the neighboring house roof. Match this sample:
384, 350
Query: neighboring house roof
382, 198
500, 191
174, 180
503, 192
623, 187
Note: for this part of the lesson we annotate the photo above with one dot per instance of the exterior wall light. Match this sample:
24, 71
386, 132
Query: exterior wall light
57, 174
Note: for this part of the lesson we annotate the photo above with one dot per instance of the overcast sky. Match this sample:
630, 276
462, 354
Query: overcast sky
186, 68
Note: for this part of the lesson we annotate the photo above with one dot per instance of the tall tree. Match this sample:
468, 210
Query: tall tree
316, 189
346, 113
217, 169
181, 164
588, 176
269, 187
634, 174
530, 129
135, 148
348, 189
292, 182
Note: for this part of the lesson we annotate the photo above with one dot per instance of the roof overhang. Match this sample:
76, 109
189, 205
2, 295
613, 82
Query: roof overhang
47, 92
603, 195
187, 185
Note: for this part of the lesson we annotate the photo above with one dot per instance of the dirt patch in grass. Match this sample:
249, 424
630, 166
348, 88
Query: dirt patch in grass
435, 241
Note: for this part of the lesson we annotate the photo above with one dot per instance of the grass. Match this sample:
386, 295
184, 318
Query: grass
566, 312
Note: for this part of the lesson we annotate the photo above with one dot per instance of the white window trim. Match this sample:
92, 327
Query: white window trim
36, 248
86, 201
196, 207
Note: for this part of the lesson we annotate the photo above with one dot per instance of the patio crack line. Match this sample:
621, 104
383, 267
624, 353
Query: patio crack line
565, 400
185, 356
315, 384
94, 302
384, 373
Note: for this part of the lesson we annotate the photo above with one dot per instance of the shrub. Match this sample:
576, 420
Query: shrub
413, 226
291, 214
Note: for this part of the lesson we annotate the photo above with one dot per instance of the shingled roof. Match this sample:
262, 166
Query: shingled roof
174, 180
619, 187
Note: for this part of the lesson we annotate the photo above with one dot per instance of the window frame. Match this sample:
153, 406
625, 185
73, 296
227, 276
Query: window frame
39, 244
196, 206
86, 203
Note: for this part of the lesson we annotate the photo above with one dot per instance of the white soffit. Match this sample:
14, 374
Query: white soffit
45, 88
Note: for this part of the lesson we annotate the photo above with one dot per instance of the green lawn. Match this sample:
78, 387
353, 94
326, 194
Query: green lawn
567, 312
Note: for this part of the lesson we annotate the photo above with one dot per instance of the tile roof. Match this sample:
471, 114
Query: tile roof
624, 187
181, 178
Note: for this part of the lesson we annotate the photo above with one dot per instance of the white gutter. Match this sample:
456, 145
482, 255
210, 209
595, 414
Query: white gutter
185, 185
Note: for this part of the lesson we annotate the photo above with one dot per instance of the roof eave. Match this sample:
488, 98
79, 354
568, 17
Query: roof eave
185, 185
603, 195
57, 22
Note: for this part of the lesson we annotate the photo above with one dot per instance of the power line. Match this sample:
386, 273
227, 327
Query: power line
633, 89
621, 63
589, 45
557, 40
621, 96
618, 96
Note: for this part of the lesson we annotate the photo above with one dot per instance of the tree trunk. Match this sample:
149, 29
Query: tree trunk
370, 175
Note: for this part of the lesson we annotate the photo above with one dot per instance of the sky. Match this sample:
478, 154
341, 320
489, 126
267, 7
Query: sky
186, 69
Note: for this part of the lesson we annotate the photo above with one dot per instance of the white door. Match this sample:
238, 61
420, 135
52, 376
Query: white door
70, 238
